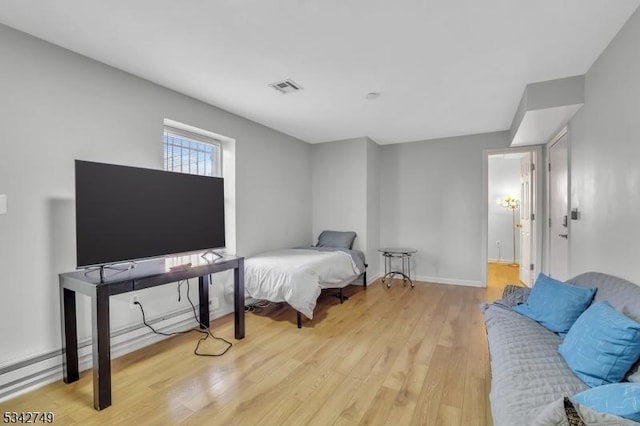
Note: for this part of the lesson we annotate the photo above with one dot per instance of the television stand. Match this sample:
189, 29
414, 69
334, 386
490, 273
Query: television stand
146, 275
180, 267
214, 254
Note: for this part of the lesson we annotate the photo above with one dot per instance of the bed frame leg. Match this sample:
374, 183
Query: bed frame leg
299, 319
364, 278
341, 296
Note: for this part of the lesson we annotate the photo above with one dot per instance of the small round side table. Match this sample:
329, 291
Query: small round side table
398, 252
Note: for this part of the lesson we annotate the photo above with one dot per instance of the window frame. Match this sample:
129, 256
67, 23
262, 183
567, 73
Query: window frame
216, 166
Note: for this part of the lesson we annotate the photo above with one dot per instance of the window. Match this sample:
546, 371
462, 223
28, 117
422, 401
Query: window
187, 152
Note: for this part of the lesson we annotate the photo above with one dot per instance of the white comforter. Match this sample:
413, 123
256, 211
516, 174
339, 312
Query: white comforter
296, 276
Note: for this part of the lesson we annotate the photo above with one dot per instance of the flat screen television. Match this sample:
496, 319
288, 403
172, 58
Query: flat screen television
129, 213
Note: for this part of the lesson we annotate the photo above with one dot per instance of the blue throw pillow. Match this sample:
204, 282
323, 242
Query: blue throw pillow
602, 345
620, 399
554, 304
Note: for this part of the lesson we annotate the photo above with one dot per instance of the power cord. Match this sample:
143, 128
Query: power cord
257, 307
202, 330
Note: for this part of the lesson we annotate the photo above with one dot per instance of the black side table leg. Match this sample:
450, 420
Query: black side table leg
238, 300
101, 349
70, 372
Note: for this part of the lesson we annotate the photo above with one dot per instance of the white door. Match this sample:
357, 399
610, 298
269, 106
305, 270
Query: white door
527, 208
558, 210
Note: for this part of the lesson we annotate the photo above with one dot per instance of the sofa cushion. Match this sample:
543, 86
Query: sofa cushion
621, 294
621, 399
602, 345
527, 372
554, 304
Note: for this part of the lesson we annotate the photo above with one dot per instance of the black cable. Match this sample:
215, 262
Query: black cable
202, 330
208, 331
257, 306
144, 321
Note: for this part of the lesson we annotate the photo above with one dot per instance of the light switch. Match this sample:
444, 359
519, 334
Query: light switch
3, 204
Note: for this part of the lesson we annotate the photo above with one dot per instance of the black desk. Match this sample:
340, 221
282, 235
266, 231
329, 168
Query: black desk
145, 275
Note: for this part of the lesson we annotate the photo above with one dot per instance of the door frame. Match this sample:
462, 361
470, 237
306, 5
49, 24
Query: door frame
539, 211
547, 229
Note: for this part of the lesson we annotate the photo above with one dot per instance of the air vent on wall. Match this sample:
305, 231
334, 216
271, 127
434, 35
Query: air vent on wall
286, 86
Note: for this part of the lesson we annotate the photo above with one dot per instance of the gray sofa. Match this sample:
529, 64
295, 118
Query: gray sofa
529, 378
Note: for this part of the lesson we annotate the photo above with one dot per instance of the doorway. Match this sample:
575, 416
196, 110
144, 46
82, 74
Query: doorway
511, 231
558, 205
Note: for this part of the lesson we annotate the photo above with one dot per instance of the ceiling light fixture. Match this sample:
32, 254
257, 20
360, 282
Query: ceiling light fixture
372, 95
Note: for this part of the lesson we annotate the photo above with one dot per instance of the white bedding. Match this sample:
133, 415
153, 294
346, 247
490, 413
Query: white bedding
296, 276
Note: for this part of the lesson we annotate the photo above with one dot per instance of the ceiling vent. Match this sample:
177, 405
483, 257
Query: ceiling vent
286, 86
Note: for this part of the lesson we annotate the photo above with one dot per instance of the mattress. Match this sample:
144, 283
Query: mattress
297, 276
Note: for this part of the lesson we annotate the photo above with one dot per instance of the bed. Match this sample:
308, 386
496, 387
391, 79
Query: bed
298, 275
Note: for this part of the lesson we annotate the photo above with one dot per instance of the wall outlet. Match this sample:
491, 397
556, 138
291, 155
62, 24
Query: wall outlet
133, 298
214, 303
498, 243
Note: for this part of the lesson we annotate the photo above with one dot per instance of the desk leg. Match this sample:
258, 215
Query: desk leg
203, 289
238, 299
101, 349
70, 372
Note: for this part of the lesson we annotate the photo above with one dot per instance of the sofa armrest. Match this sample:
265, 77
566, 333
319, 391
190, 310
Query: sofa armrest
514, 295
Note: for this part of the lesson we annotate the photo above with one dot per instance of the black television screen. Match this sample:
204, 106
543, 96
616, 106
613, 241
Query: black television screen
126, 213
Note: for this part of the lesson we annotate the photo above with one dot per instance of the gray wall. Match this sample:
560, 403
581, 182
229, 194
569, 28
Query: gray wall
373, 208
605, 172
339, 188
58, 106
346, 193
431, 200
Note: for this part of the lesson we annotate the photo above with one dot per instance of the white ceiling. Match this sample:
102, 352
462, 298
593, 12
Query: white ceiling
443, 67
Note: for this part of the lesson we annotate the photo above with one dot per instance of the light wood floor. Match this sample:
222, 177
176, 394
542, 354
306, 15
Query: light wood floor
397, 356
501, 274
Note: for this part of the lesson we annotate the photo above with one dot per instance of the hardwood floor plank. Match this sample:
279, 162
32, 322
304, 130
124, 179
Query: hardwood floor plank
449, 416
331, 408
429, 399
358, 404
278, 415
306, 412
380, 407
404, 405
475, 410
395, 356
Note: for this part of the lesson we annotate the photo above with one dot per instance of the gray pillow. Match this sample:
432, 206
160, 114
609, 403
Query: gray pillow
336, 239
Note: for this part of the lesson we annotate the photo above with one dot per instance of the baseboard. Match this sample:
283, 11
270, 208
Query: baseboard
501, 261
371, 280
32, 373
451, 281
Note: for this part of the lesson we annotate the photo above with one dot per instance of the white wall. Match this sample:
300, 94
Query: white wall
605, 170
431, 200
58, 106
504, 179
